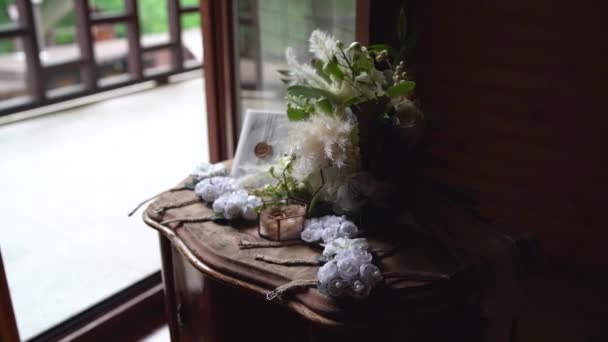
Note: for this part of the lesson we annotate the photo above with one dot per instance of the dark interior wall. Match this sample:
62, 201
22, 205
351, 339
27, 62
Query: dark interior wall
520, 89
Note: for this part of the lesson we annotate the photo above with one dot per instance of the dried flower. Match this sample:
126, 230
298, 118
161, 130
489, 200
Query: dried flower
323, 45
320, 142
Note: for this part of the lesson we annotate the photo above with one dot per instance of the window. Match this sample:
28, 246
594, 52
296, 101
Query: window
69, 178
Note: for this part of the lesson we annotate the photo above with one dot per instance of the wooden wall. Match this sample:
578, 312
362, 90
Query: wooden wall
520, 88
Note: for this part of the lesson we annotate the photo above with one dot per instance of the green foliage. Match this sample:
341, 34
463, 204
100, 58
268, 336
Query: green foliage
401, 89
286, 185
312, 93
331, 68
296, 113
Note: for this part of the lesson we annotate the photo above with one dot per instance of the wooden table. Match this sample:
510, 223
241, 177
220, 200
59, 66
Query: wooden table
214, 294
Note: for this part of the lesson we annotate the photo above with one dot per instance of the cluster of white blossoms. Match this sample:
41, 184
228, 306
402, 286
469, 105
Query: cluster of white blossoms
350, 270
328, 228
206, 170
228, 199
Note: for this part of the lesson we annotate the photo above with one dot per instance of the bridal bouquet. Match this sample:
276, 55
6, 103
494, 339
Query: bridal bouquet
347, 109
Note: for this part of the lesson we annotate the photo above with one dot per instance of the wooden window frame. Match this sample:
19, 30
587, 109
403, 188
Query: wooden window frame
38, 74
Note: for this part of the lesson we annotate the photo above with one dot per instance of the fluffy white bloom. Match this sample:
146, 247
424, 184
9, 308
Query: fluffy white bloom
323, 45
304, 73
320, 142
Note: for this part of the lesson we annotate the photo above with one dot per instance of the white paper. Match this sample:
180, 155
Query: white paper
260, 127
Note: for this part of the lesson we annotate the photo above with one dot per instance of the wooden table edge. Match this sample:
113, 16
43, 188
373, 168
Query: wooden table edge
186, 252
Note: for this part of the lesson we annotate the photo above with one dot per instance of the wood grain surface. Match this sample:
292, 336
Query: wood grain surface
519, 88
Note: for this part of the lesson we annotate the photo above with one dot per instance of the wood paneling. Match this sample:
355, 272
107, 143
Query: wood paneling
519, 90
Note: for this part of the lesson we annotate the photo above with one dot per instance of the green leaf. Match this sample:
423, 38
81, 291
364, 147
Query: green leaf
284, 72
311, 92
401, 25
191, 185
313, 203
363, 64
334, 70
354, 100
378, 47
218, 218
325, 106
354, 135
296, 114
319, 68
401, 89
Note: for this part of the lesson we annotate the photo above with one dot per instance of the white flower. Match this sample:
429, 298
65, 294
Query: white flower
304, 73
370, 274
348, 229
344, 243
323, 45
220, 203
320, 142
329, 234
206, 170
210, 189
359, 289
327, 272
249, 210
348, 269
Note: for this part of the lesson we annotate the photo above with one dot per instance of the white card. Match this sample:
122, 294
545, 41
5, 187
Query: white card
262, 141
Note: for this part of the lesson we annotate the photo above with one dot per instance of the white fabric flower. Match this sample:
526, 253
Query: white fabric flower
348, 229
359, 289
328, 228
250, 212
370, 274
311, 235
350, 270
210, 189
327, 272
206, 170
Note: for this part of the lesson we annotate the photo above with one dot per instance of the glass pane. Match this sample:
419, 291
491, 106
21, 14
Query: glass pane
153, 21
69, 179
63, 82
8, 12
192, 39
156, 62
56, 31
189, 2
111, 48
107, 6
13, 73
265, 28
